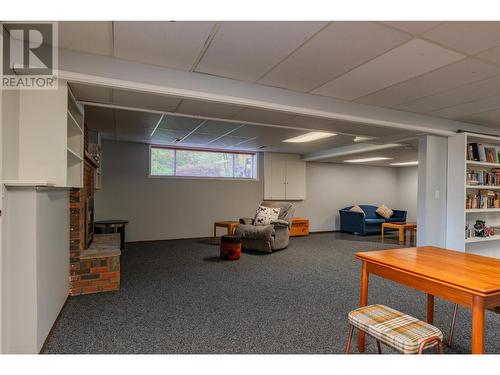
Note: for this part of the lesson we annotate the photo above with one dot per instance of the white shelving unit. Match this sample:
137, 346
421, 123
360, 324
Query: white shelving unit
48, 133
74, 147
457, 215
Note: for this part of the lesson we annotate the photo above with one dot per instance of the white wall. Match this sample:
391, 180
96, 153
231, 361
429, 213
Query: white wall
166, 208
407, 190
331, 187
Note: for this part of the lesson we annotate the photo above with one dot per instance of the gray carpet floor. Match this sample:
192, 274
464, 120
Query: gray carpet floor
179, 297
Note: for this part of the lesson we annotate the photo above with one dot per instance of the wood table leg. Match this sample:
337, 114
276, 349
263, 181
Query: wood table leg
477, 325
383, 230
430, 309
363, 301
401, 234
215, 230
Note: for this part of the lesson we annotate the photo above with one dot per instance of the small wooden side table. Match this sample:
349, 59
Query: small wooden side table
401, 228
300, 227
229, 225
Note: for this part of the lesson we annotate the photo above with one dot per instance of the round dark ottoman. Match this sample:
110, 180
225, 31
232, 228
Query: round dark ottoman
230, 247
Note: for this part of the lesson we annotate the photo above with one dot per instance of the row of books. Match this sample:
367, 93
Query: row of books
483, 177
479, 152
482, 199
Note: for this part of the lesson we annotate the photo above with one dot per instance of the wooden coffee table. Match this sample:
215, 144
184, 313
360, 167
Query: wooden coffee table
401, 228
229, 225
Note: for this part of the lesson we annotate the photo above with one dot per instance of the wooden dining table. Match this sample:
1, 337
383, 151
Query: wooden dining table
470, 280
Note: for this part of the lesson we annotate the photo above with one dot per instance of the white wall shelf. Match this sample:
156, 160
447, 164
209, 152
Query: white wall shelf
486, 187
483, 164
485, 210
73, 154
458, 217
482, 239
75, 139
48, 132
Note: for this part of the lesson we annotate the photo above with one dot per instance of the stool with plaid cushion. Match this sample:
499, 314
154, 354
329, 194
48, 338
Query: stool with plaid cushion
402, 332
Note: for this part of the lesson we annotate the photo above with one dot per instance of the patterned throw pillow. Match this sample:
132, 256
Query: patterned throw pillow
266, 215
357, 209
384, 211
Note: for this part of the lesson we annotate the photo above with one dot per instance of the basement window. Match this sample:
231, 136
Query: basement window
179, 162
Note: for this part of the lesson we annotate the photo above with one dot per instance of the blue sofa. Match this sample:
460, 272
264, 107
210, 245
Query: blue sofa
368, 223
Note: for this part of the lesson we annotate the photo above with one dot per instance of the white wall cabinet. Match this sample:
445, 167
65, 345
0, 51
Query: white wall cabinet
284, 177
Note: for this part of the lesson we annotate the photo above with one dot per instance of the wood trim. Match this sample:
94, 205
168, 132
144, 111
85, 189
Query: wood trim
42, 349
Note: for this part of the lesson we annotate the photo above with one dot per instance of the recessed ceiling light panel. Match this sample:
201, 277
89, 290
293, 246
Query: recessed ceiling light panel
377, 158
309, 137
404, 164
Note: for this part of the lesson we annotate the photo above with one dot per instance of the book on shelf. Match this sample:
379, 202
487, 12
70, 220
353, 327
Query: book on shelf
483, 177
483, 199
472, 152
480, 152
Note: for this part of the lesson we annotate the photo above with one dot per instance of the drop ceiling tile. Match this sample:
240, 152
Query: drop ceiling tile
198, 139
261, 116
146, 101
463, 94
402, 63
413, 27
216, 127
468, 37
100, 119
459, 111
246, 50
136, 119
133, 135
180, 123
489, 118
492, 55
332, 52
87, 93
168, 135
227, 141
208, 109
171, 44
268, 132
89, 36
450, 76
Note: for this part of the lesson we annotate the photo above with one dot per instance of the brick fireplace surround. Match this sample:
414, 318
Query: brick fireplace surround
94, 269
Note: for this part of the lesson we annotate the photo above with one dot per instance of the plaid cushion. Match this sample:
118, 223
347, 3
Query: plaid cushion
400, 331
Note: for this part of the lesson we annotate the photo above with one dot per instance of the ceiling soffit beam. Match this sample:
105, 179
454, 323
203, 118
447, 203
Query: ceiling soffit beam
347, 150
108, 71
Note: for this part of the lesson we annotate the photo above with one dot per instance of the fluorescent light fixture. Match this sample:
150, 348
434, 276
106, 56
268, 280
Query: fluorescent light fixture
403, 164
309, 137
377, 158
362, 138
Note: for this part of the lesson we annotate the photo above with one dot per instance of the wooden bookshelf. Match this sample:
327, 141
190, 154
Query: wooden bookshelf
458, 216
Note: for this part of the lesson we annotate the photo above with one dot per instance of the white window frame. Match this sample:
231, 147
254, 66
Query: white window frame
254, 168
